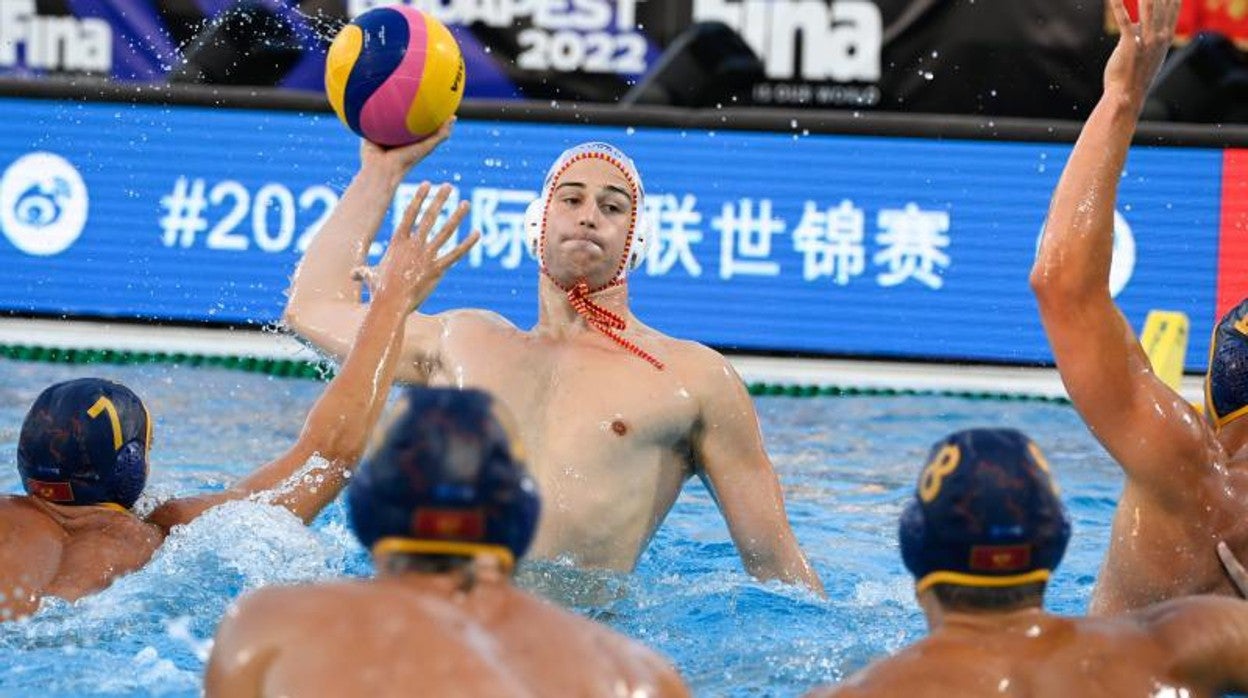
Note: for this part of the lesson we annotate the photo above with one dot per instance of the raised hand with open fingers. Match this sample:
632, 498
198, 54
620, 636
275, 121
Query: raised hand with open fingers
412, 264
1141, 48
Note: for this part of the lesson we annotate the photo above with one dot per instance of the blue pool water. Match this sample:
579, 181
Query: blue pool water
847, 465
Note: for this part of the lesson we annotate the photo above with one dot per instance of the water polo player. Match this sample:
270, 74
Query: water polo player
446, 508
618, 415
1186, 474
84, 449
982, 536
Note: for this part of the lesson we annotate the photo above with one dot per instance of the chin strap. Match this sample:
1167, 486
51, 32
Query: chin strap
602, 319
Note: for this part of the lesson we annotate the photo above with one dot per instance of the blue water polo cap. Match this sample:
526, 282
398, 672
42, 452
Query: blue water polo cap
1226, 387
985, 513
86, 441
444, 477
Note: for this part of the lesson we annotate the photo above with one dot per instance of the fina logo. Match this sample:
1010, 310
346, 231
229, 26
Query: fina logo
1123, 265
43, 204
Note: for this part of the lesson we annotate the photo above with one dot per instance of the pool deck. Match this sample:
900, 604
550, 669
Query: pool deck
844, 373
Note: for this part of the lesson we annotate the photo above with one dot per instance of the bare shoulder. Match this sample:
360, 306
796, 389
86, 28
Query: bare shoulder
307, 598
581, 635
696, 361
18, 508
1178, 620
288, 608
1202, 636
475, 319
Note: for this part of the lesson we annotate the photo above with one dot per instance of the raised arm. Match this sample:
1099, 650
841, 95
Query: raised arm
325, 306
1149, 429
729, 456
338, 426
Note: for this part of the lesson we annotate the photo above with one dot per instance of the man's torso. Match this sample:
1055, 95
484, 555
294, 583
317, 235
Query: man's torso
1160, 551
607, 435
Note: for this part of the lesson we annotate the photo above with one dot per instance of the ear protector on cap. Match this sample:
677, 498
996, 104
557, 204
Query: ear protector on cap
535, 214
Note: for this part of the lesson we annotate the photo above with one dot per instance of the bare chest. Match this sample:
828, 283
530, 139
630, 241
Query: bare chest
580, 395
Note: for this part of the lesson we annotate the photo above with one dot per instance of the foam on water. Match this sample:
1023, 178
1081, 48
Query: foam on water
149, 632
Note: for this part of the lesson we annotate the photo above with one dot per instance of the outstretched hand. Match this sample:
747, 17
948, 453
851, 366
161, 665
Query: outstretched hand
412, 264
399, 160
1142, 47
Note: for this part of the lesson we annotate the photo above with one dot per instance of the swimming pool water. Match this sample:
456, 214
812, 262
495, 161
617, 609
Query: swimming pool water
847, 466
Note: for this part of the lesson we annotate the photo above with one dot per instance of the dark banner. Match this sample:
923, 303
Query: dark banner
1018, 58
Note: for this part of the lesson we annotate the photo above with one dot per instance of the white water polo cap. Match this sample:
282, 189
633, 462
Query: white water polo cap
639, 230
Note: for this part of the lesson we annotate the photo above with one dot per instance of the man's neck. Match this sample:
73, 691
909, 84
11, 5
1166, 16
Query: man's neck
943, 619
557, 315
75, 516
482, 571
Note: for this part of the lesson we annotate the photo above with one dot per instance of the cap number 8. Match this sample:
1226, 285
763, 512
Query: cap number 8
945, 462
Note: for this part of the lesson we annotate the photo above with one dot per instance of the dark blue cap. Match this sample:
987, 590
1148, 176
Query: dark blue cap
85, 441
1226, 387
444, 478
985, 513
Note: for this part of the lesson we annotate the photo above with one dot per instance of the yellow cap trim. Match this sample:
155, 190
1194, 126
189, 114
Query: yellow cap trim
977, 580
412, 546
114, 506
1223, 421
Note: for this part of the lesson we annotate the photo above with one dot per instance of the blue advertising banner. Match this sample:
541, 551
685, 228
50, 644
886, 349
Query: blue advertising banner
839, 245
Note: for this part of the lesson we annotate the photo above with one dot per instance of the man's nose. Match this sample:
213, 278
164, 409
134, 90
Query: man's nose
588, 215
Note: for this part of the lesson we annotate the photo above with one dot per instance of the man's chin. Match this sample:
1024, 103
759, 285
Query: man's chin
568, 277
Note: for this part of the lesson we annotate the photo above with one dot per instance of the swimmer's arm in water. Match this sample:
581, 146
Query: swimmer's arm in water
338, 426
1207, 636
729, 457
1149, 429
325, 306
1234, 568
247, 642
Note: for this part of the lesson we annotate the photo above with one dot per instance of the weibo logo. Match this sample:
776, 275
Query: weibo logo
43, 204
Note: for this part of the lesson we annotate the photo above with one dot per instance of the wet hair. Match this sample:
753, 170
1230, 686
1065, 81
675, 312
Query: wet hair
957, 597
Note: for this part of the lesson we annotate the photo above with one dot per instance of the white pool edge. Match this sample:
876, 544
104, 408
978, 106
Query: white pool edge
895, 375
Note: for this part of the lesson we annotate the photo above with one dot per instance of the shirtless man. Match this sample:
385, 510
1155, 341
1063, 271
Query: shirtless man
618, 415
446, 509
981, 536
83, 452
1186, 475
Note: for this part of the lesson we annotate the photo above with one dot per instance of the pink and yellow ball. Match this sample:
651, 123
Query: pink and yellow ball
394, 75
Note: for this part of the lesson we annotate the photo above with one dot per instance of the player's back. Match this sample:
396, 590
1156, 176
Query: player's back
399, 636
1121, 657
65, 551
